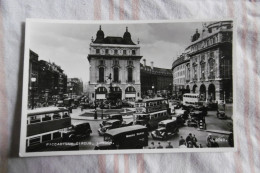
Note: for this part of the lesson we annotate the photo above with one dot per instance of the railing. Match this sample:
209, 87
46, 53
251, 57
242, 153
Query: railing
132, 81
101, 81
118, 81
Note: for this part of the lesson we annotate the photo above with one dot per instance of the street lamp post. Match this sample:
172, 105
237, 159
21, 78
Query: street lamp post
71, 92
153, 90
95, 102
101, 106
33, 80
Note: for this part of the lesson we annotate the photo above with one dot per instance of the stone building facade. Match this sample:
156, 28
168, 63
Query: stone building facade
117, 58
74, 86
155, 80
46, 79
207, 62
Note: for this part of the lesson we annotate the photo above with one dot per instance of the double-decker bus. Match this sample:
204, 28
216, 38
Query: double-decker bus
45, 127
192, 99
150, 112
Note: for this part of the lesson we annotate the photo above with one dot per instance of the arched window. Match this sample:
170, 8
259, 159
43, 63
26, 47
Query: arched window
129, 74
101, 74
211, 69
116, 74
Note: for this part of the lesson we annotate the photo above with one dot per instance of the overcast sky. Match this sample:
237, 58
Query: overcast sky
68, 44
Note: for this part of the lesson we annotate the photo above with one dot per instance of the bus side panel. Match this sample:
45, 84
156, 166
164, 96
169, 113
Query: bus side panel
46, 126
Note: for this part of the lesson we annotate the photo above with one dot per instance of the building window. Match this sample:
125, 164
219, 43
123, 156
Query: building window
195, 72
203, 71
101, 62
116, 62
97, 51
211, 69
124, 52
130, 74
211, 55
116, 74
133, 52
115, 52
101, 74
225, 68
106, 51
130, 62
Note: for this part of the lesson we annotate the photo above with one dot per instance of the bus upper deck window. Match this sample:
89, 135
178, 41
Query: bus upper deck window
35, 119
65, 115
56, 116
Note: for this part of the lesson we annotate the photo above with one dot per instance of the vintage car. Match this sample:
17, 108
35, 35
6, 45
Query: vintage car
166, 129
77, 132
84, 105
221, 111
131, 137
114, 117
107, 125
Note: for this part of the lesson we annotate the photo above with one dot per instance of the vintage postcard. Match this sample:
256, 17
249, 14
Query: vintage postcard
98, 87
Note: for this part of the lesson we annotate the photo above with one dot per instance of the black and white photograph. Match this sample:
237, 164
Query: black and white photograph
92, 87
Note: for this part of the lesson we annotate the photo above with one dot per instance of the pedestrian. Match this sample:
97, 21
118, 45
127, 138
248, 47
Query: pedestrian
169, 145
189, 138
209, 140
189, 144
200, 146
159, 146
194, 141
152, 146
181, 141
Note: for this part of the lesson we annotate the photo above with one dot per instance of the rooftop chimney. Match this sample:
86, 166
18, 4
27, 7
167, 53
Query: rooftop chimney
144, 62
152, 65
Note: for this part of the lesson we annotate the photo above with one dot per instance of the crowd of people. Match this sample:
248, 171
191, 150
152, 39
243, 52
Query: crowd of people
159, 146
190, 142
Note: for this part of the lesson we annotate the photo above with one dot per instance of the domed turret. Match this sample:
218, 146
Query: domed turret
127, 37
100, 33
100, 36
127, 34
196, 36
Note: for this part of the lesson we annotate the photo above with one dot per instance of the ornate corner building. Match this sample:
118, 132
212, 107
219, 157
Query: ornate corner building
118, 57
205, 67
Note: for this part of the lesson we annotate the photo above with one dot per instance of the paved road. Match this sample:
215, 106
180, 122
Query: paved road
213, 123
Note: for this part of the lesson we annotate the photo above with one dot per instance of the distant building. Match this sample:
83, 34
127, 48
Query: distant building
180, 75
155, 80
52, 80
74, 86
33, 77
45, 80
206, 65
118, 57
